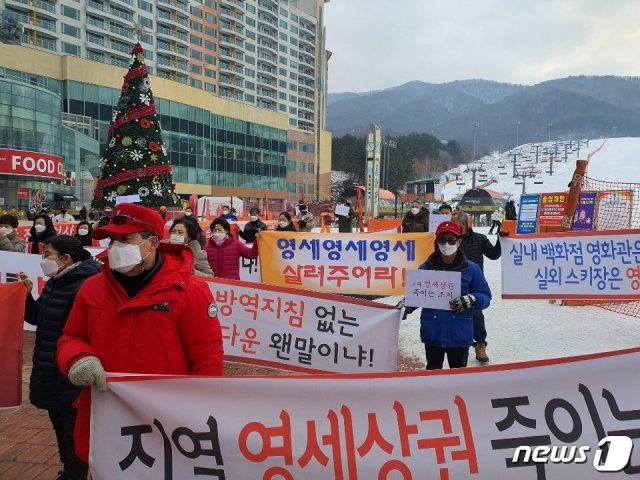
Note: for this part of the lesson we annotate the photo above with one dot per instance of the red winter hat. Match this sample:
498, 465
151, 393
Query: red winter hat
449, 227
128, 218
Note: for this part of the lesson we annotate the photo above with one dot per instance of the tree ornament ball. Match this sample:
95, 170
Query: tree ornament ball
121, 190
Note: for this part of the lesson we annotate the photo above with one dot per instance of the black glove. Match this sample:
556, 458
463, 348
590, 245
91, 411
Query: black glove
302, 223
463, 303
408, 311
502, 233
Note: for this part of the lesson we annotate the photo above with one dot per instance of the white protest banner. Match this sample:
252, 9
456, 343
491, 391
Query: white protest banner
371, 264
436, 219
305, 331
572, 265
462, 424
431, 288
342, 210
249, 269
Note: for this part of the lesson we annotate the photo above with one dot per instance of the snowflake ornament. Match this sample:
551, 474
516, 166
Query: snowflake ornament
144, 98
111, 196
112, 143
136, 155
141, 142
157, 189
145, 85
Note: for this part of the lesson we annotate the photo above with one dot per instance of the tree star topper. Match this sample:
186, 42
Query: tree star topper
138, 30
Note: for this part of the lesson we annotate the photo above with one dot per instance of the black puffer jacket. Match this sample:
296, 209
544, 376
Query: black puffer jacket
476, 246
251, 229
416, 223
48, 389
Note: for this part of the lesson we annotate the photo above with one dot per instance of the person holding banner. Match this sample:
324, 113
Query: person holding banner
253, 226
476, 246
68, 265
416, 219
186, 231
9, 239
285, 224
145, 313
450, 333
41, 233
224, 251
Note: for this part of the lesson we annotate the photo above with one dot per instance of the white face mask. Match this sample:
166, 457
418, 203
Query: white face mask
177, 239
49, 267
253, 218
283, 224
6, 230
448, 250
83, 231
415, 210
124, 257
225, 212
187, 214
40, 228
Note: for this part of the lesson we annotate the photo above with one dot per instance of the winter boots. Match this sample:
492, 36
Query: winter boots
481, 352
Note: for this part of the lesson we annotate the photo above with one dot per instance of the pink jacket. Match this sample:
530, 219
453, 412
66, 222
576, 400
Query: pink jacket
225, 259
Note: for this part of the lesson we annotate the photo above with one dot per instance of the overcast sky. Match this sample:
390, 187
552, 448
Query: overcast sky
383, 43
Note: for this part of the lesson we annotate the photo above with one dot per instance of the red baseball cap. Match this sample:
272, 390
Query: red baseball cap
128, 218
449, 227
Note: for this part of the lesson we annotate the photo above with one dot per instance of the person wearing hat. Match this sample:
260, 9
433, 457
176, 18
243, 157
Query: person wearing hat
144, 313
305, 218
450, 332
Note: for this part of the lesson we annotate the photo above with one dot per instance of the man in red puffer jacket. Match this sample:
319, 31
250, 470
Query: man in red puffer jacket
224, 251
145, 313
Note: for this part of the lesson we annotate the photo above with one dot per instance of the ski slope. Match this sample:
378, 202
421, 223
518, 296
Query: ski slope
612, 159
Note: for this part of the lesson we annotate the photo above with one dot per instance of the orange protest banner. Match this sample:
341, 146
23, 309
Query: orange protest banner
12, 299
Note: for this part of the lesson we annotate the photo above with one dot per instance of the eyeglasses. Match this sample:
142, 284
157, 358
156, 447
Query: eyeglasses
450, 241
123, 219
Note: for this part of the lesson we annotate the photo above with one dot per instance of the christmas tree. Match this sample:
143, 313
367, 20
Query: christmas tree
135, 160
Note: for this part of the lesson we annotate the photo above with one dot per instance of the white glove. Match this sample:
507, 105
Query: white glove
88, 371
460, 304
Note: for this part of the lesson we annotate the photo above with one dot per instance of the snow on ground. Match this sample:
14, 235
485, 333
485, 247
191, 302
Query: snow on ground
521, 330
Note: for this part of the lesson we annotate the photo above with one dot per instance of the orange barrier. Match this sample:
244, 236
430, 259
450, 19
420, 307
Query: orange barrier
378, 224
510, 226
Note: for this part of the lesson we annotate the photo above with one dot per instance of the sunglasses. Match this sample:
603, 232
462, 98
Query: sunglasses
450, 241
123, 219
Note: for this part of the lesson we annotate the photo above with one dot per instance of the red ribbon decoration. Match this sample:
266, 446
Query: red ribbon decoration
132, 115
131, 174
139, 71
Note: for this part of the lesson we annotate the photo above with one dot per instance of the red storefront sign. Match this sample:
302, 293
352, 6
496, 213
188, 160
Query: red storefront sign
23, 193
33, 164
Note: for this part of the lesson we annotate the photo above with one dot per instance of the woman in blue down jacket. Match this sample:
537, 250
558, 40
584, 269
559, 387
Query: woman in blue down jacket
445, 332
68, 265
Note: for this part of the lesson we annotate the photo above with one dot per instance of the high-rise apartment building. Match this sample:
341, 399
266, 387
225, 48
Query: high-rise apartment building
268, 53
246, 112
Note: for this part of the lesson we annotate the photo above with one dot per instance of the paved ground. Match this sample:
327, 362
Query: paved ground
28, 447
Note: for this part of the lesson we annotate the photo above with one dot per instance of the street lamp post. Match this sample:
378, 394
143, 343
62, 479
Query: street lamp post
387, 145
549, 127
475, 128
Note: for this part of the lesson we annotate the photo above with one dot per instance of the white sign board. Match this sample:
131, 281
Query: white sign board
342, 210
436, 219
431, 288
